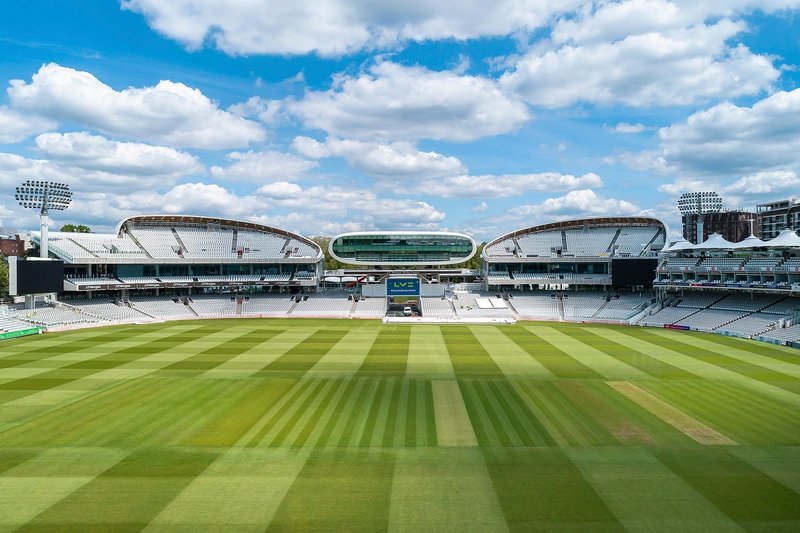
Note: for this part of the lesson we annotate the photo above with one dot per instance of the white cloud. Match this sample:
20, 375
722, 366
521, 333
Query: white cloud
661, 61
480, 208
168, 113
584, 202
781, 181
93, 152
506, 185
624, 127
395, 102
336, 27
15, 127
261, 167
394, 160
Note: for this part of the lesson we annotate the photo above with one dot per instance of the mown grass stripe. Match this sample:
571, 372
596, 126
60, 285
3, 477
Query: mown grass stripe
467, 355
284, 416
253, 399
389, 353
254, 435
559, 433
401, 415
334, 429
314, 427
501, 419
532, 431
357, 417
427, 353
731, 485
316, 403
453, 427
248, 363
482, 421
391, 431
384, 413
426, 425
643, 362
587, 355
749, 358
218, 354
541, 489
305, 355
346, 357
696, 366
364, 439
646, 496
512, 360
673, 416
556, 361
411, 414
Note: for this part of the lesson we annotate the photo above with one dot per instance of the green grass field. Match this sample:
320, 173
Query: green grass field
253, 425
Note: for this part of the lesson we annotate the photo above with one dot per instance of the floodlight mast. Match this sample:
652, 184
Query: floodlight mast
699, 203
44, 196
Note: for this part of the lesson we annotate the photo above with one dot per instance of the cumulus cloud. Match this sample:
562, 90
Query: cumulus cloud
640, 53
262, 166
728, 140
392, 160
396, 102
624, 127
506, 185
15, 127
584, 202
93, 152
167, 113
336, 27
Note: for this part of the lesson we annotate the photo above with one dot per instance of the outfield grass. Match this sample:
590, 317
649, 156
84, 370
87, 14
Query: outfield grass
247, 425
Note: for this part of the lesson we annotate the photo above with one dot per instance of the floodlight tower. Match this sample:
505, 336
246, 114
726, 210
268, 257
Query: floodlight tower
699, 204
44, 196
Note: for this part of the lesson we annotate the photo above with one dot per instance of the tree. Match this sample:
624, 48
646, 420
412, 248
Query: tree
330, 262
72, 228
3, 277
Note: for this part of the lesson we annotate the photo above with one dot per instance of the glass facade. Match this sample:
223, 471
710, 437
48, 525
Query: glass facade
402, 249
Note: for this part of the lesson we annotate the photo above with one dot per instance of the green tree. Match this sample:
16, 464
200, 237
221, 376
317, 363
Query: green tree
3, 277
330, 262
72, 228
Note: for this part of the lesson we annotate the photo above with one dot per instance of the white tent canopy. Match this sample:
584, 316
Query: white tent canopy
678, 245
750, 242
786, 239
715, 241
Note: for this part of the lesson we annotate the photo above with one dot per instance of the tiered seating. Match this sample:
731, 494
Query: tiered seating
160, 243
746, 302
304, 275
699, 299
792, 264
721, 263
213, 304
582, 304
370, 308
784, 307
538, 306
622, 307
267, 305
590, 241
436, 307
757, 264
751, 325
790, 334
498, 276
708, 319
276, 277
55, 316
679, 264
324, 306
667, 315
539, 243
162, 307
199, 242
107, 310
633, 240
10, 323
505, 248
176, 279
103, 245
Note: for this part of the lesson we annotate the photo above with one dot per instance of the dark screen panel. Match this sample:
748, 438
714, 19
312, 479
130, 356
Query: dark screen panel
633, 272
38, 277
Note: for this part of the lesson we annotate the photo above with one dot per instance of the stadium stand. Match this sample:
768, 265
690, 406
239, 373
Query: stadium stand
437, 307
370, 308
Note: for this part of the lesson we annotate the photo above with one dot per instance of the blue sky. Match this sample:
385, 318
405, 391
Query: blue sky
331, 116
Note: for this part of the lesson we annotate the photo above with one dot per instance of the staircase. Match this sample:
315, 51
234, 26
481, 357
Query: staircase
142, 248
614, 240
239, 306
563, 241
235, 240
560, 308
180, 242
